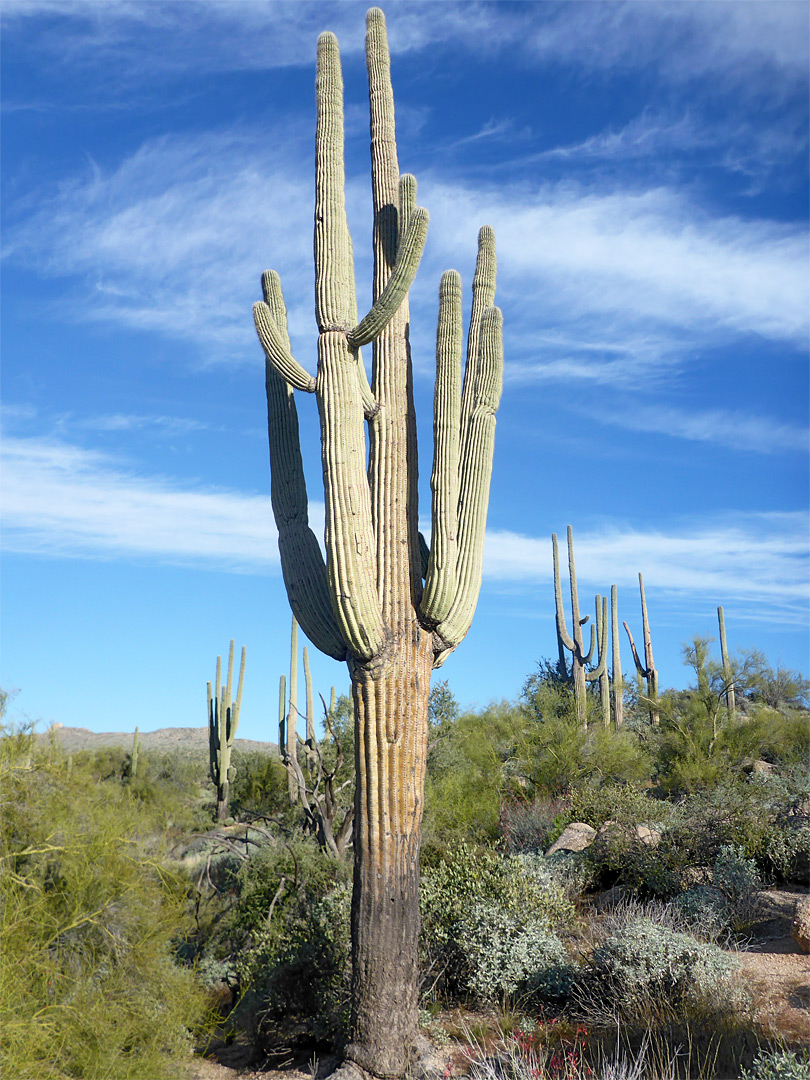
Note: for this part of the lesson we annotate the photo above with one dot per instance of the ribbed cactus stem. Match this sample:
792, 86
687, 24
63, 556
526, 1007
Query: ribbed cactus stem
617, 687
223, 720
731, 702
601, 672
292, 713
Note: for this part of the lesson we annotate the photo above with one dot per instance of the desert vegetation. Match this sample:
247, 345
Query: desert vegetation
588, 894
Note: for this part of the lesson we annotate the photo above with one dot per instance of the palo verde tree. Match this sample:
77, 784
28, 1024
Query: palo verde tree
366, 603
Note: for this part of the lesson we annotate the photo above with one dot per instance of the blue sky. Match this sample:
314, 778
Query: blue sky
644, 166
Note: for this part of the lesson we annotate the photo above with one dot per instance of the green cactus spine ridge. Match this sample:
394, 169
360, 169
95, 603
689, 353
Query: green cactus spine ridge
223, 721
645, 670
366, 602
728, 679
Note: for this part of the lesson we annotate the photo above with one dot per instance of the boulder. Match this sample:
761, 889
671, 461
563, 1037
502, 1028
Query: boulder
574, 837
801, 924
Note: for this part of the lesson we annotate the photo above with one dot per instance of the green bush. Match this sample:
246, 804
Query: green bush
510, 954
89, 986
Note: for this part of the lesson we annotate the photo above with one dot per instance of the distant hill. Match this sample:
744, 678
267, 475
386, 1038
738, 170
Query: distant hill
184, 739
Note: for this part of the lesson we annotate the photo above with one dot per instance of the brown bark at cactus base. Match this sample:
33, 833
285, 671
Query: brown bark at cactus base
223, 795
390, 702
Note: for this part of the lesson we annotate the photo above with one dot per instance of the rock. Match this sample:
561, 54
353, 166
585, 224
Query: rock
574, 837
801, 923
648, 836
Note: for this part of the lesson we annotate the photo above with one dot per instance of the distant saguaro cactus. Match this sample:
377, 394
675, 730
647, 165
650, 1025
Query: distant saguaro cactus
579, 675
647, 669
366, 604
133, 761
223, 720
731, 700
617, 679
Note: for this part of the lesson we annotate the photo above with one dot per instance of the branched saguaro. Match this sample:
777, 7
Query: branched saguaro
223, 720
579, 675
728, 678
601, 617
366, 603
647, 669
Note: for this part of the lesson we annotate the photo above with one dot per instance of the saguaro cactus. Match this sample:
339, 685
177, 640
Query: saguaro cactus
366, 603
647, 669
579, 675
133, 761
728, 679
223, 720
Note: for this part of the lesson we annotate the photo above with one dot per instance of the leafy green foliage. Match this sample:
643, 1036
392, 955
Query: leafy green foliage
89, 986
779, 1065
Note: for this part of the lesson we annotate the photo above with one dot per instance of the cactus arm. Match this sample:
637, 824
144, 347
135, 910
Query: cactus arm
588, 656
407, 204
212, 736
636, 658
282, 718
301, 559
409, 254
237, 706
310, 707
483, 297
476, 473
645, 624
562, 630
424, 554
351, 555
731, 702
601, 633
335, 297
618, 681
277, 351
440, 580
351, 547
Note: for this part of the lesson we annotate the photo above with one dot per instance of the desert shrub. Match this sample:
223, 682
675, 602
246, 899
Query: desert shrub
597, 803
510, 954
530, 825
778, 1065
89, 986
644, 964
282, 941
260, 784
466, 877
737, 880
299, 976
469, 760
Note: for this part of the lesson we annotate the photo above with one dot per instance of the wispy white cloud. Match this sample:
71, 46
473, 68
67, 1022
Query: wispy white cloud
62, 500
748, 44
736, 430
758, 559
612, 284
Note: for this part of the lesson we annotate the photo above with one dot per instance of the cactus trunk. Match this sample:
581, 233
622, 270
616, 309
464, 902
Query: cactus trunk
390, 755
731, 701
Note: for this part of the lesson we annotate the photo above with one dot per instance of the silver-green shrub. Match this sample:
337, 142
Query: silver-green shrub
508, 955
645, 962
778, 1065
